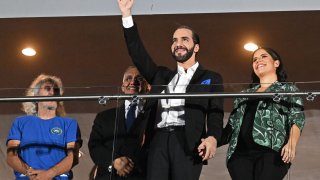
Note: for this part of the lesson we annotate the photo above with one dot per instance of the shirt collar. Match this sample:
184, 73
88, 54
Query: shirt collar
128, 102
190, 70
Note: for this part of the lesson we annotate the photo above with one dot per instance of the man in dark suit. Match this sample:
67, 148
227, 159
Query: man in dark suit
117, 136
183, 133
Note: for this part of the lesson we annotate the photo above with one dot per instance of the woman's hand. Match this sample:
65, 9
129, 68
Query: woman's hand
288, 152
208, 147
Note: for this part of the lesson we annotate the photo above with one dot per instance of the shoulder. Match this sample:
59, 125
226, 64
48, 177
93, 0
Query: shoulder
207, 71
25, 118
238, 100
252, 89
215, 75
108, 111
66, 120
289, 87
164, 70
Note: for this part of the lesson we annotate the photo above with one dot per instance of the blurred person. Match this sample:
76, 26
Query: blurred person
43, 144
117, 136
182, 133
263, 133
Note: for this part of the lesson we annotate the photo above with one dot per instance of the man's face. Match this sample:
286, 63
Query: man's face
132, 82
183, 47
48, 89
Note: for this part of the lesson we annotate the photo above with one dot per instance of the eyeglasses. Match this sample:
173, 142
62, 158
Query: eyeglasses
56, 90
130, 78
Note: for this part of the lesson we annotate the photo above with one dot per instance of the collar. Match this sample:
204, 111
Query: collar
273, 85
190, 70
128, 102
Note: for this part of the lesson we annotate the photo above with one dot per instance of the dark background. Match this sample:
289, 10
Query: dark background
90, 55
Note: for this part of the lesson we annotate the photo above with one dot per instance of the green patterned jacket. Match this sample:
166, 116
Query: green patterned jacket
273, 120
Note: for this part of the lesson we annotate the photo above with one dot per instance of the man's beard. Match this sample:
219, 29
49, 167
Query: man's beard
185, 57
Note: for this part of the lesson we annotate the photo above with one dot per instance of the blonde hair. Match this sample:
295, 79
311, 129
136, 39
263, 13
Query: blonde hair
30, 108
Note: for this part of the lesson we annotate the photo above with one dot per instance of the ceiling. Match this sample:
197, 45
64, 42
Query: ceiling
89, 51
58, 8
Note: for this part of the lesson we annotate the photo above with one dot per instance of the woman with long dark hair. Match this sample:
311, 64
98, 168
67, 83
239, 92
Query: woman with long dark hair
263, 133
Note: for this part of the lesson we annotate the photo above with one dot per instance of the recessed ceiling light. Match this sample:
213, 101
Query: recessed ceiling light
250, 47
28, 52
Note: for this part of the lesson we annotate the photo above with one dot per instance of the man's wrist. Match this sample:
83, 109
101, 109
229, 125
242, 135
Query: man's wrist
211, 138
127, 22
126, 14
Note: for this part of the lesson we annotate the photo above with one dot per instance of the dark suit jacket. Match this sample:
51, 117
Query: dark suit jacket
102, 140
203, 116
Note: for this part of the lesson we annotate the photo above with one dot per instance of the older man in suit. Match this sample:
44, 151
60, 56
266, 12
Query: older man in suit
117, 136
184, 132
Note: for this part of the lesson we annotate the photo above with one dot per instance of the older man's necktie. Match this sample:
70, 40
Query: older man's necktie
131, 115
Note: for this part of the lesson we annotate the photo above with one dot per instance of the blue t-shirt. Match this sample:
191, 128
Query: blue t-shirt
43, 143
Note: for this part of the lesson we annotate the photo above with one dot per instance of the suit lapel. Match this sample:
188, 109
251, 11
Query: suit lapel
121, 118
169, 79
196, 76
158, 88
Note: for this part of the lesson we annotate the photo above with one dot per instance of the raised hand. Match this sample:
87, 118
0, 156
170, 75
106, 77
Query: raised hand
125, 7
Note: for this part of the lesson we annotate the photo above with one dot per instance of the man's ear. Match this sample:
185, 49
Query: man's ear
196, 48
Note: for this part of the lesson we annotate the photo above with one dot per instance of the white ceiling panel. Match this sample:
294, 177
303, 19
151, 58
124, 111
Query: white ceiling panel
56, 8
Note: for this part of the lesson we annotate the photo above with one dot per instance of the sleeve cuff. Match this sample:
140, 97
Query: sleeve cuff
110, 168
127, 22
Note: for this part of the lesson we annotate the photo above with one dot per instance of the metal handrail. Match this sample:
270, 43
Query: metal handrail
310, 96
